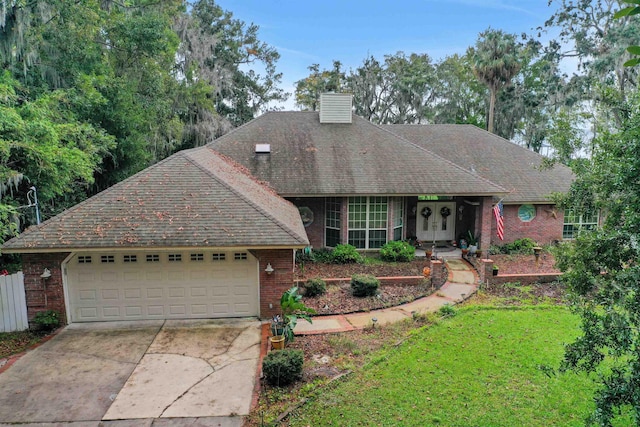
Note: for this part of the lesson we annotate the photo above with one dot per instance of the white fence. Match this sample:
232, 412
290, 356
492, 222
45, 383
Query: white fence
13, 305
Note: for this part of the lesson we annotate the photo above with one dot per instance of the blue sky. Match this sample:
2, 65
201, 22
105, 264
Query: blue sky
308, 32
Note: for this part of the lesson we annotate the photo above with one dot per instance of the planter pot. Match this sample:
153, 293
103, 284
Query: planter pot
464, 252
277, 342
479, 253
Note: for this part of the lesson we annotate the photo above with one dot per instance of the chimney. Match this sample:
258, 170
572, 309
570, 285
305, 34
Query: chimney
335, 107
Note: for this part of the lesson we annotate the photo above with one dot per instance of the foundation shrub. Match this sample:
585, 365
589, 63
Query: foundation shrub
345, 254
397, 251
283, 367
315, 287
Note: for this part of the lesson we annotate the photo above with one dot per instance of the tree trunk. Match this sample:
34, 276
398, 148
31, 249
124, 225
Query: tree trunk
492, 108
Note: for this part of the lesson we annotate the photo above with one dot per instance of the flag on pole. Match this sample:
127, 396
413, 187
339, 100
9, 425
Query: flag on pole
497, 212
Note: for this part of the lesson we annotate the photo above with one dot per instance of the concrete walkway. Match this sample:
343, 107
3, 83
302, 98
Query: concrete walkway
460, 285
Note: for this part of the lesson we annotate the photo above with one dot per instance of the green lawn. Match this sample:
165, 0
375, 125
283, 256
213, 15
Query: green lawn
480, 368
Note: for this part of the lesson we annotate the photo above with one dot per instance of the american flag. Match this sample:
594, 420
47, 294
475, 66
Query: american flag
497, 212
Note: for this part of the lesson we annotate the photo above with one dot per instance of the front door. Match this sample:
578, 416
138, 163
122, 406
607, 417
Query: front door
436, 221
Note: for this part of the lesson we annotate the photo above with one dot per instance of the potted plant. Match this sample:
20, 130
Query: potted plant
495, 270
472, 241
293, 308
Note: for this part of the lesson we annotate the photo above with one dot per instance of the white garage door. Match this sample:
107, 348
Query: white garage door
161, 285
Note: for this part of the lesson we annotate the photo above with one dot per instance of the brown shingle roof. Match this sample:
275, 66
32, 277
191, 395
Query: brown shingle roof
496, 159
309, 158
194, 198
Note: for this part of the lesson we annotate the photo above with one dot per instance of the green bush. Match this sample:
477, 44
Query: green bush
283, 367
397, 251
322, 255
447, 310
364, 285
345, 254
47, 320
315, 287
521, 246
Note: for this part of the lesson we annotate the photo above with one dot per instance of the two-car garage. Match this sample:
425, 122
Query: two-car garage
161, 285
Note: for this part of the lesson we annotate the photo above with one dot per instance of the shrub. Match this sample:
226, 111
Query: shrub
345, 254
283, 367
397, 251
447, 310
47, 320
521, 246
364, 285
314, 287
322, 255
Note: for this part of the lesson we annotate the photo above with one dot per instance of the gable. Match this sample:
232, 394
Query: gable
194, 198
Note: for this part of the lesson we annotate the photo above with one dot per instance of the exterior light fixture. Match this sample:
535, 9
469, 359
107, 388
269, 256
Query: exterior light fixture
269, 269
46, 273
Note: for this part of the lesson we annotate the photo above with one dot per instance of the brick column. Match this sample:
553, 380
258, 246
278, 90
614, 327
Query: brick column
273, 285
438, 273
486, 271
44, 294
484, 223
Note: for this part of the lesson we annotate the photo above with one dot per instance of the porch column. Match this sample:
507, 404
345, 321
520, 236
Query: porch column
484, 223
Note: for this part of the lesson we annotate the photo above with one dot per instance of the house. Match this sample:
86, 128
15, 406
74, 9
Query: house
364, 184
193, 236
199, 235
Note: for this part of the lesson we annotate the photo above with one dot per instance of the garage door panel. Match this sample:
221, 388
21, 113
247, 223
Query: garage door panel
196, 287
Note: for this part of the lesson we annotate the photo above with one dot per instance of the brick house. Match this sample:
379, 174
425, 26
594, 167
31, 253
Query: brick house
198, 235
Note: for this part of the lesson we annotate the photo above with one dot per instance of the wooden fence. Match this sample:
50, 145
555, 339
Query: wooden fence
13, 305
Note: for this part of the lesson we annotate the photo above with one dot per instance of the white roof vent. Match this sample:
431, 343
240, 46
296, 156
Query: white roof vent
335, 107
263, 148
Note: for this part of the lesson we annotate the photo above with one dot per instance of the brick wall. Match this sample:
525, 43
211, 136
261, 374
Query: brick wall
273, 285
315, 231
44, 294
545, 228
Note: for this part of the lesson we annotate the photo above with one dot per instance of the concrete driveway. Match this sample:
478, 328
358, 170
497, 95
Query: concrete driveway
167, 373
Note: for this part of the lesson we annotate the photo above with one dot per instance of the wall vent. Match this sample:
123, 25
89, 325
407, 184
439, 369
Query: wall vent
263, 148
336, 107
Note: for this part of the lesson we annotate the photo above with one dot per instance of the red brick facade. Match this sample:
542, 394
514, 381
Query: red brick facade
545, 228
273, 285
44, 293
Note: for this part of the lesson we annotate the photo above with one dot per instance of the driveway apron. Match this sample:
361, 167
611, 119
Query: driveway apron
147, 371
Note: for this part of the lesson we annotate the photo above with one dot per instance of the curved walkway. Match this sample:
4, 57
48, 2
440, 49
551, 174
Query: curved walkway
460, 285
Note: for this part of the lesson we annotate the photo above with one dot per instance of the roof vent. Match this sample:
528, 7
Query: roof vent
263, 148
335, 107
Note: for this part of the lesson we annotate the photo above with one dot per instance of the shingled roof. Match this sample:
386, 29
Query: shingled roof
511, 166
308, 158
195, 198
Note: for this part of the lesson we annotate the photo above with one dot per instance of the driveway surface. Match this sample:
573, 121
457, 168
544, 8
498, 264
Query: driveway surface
161, 373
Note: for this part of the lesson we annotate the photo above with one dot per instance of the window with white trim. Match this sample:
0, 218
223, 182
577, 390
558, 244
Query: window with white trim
398, 217
368, 222
197, 257
130, 258
240, 256
175, 257
153, 258
575, 222
84, 259
332, 221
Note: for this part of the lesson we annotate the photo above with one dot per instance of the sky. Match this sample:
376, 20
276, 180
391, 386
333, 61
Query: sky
309, 32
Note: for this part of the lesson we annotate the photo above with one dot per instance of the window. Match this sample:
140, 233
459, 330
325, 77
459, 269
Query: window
153, 258
526, 213
175, 257
107, 259
84, 259
197, 257
367, 222
240, 256
332, 222
218, 257
398, 217
130, 258
574, 222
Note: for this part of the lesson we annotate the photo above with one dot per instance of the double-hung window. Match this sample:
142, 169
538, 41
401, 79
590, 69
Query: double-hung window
368, 222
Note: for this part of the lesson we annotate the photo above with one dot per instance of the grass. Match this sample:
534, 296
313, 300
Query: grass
17, 342
479, 368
